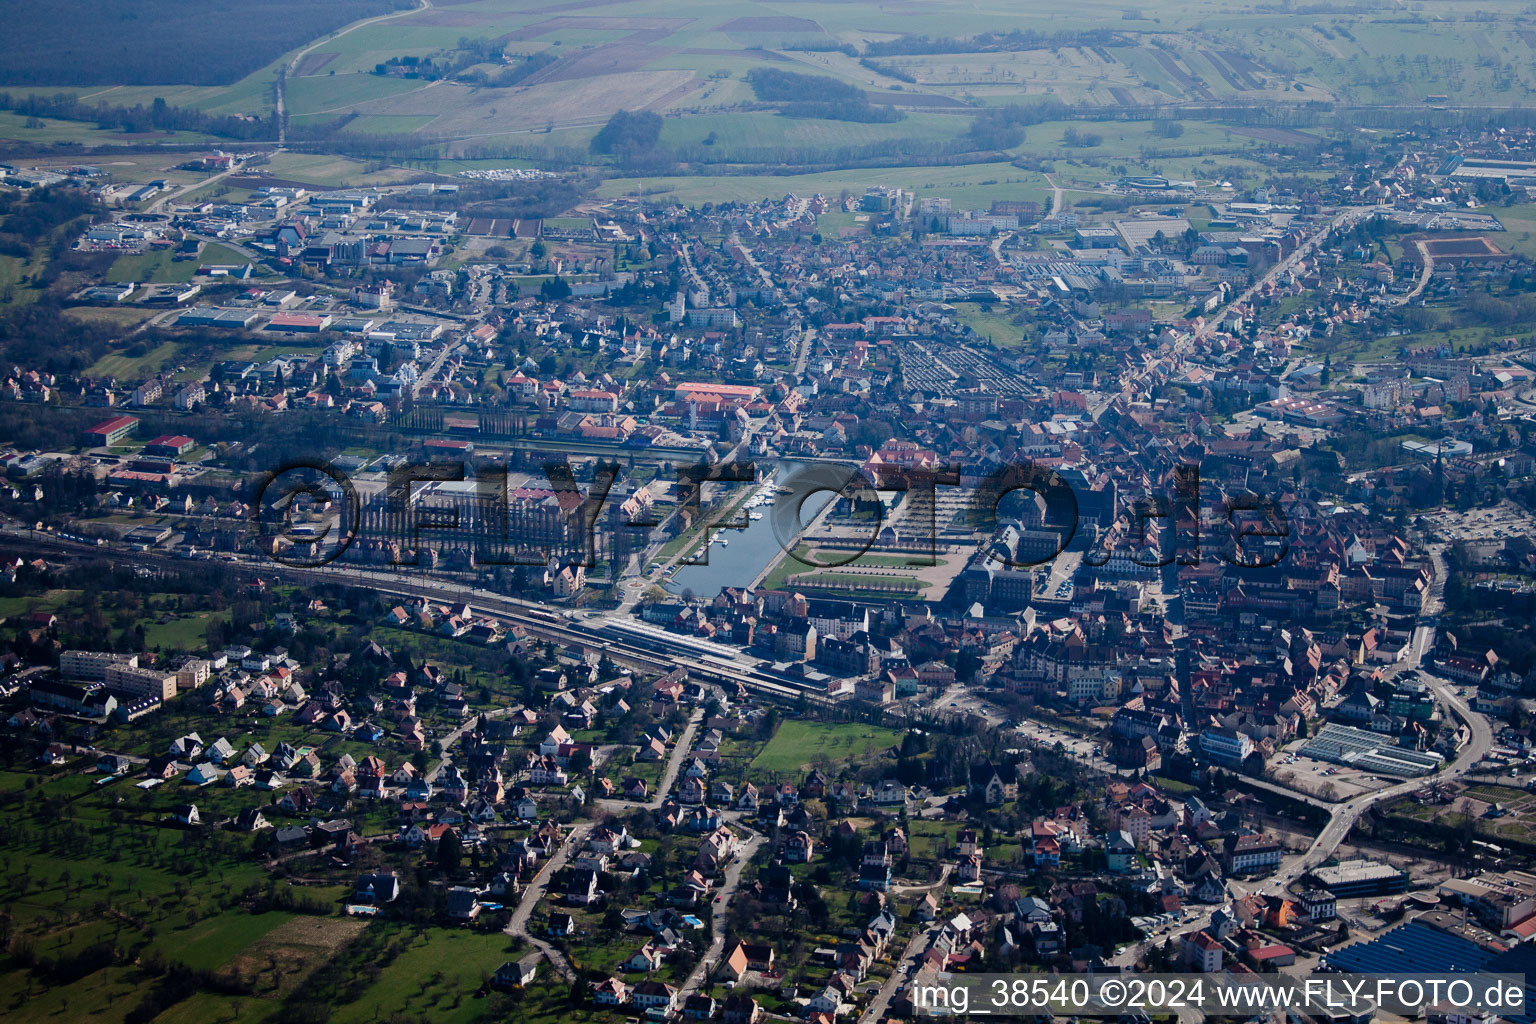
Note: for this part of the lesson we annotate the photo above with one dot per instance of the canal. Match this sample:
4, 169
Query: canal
747, 552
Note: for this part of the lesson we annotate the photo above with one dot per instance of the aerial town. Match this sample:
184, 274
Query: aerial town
478, 594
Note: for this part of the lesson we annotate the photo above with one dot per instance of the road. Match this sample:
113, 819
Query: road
452, 739
1343, 218
1424, 275
721, 906
433, 368
680, 752
807, 342
746, 253
899, 974
185, 189
517, 927
1056, 197
675, 763
617, 805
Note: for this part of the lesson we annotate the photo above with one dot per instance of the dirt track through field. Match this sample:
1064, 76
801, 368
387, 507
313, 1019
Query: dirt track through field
782, 23
313, 62
665, 26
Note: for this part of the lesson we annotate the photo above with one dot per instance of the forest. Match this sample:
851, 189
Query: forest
628, 133
817, 96
155, 42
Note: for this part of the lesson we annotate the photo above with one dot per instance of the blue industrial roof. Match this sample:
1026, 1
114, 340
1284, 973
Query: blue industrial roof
1412, 948
1415, 948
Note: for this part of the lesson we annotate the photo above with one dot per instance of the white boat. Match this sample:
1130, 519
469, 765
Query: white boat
724, 543
754, 515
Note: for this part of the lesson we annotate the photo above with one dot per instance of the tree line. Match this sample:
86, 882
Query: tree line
157, 116
1017, 40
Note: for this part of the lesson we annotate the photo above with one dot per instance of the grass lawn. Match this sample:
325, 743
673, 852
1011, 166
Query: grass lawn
1169, 785
157, 267
993, 321
51, 601
54, 131
105, 996
209, 1008
833, 558
335, 171
1519, 229
111, 316
931, 840
798, 744
120, 364
214, 942
859, 581
809, 562
435, 976
188, 634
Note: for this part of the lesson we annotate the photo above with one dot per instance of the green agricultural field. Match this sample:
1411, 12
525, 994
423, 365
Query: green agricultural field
799, 744
748, 132
331, 171
384, 124
1391, 60
969, 185
334, 95
211, 1008
105, 996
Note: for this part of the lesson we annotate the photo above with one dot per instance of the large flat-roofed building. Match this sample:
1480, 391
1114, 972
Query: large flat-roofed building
75, 698
1369, 751
1227, 746
192, 673
110, 431
717, 392
141, 682
300, 323
169, 446
214, 316
1139, 231
1500, 899
93, 665
1360, 877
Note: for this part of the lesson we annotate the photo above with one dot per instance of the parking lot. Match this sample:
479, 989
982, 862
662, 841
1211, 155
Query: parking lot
1482, 524
1323, 779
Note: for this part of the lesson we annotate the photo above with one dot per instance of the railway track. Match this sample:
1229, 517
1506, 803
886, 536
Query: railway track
624, 642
